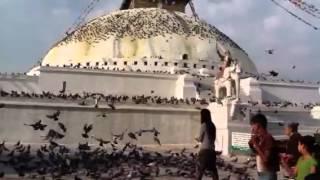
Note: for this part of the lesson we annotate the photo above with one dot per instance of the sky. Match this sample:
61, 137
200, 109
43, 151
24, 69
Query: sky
30, 27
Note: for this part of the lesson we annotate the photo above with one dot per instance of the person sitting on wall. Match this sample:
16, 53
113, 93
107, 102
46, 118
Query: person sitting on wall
223, 79
207, 154
264, 146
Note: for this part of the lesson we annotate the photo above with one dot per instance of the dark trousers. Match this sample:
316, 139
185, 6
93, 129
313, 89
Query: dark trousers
207, 161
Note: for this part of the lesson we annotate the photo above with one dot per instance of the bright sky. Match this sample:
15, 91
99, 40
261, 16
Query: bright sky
28, 29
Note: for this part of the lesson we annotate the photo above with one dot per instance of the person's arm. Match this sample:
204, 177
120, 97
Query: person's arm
251, 146
313, 169
295, 171
202, 131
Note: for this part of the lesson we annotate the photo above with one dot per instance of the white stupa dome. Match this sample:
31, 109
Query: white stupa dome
144, 33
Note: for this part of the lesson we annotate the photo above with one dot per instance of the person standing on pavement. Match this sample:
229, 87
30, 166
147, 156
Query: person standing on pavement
207, 154
264, 146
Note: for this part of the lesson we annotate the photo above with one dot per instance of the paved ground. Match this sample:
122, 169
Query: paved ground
222, 174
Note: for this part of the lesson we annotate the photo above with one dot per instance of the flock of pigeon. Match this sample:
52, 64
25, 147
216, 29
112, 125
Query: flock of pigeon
96, 99
143, 24
284, 104
86, 98
273, 76
127, 69
275, 107
108, 159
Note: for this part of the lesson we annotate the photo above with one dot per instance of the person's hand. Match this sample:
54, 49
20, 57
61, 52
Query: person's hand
197, 139
284, 158
255, 141
289, 156
282, 155
292, 171
250, 142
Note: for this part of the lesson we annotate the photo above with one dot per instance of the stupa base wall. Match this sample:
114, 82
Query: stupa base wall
177, 126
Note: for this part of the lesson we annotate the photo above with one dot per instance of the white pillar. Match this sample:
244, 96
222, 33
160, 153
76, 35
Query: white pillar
220, 115
185, 87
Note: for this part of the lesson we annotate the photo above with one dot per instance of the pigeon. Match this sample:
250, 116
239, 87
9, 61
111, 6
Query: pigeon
270, 51
83, 103
18, 144
132, 135
280, 124
37, 126
11, 154
112, 106
155, 132
234, 159
243, 113
119, 136
54, 116
101, 141
40, 154
53, 134
62, 91
84, 147
42, 171
156, 139
104, 115
44, 148
3, 147
273, 73
62, 127
53, 144
86, 128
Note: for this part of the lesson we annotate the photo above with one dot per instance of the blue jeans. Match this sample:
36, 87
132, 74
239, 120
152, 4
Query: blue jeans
267, 175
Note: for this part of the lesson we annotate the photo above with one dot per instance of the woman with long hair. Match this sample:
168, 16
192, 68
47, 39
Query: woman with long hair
292, 152
207, 154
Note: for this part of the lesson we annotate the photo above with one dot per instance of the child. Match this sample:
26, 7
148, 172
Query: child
306, 164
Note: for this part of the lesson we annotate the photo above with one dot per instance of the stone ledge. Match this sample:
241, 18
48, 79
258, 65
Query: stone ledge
119, 107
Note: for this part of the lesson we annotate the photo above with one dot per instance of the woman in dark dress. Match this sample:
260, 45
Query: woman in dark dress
292, 146
207, 154
291, 153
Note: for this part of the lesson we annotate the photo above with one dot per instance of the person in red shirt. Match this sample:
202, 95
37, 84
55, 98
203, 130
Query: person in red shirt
264, 146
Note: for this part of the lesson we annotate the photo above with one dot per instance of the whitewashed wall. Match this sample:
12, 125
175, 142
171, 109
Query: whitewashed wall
254, 90
298, 93
19, 83
109, 82
177, 126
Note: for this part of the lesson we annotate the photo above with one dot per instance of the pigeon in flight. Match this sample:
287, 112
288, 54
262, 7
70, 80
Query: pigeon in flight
270, 51
273, 73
